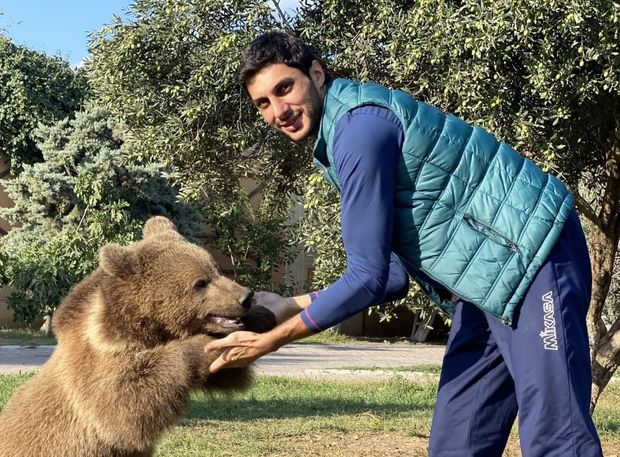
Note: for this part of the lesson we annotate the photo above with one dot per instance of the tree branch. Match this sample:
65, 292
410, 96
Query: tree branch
611, 199
283, 18
584, 206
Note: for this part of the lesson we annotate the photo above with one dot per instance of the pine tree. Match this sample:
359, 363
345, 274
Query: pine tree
85, 193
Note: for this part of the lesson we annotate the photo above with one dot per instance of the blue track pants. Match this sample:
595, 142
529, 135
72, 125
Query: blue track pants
538, 368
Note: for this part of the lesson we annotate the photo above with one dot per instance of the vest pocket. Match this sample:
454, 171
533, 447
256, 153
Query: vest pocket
489, 232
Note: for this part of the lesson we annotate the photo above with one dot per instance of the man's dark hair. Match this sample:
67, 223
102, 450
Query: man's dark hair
271, 48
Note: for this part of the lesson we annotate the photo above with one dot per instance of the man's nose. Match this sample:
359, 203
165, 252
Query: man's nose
280, 109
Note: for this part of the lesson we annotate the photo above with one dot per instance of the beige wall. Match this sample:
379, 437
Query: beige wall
5, 201
6, 316
300, 270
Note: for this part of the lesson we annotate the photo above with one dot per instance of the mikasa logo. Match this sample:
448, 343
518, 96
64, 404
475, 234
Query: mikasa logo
548, 335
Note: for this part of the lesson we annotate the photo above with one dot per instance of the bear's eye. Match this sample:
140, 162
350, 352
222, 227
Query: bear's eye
200, 284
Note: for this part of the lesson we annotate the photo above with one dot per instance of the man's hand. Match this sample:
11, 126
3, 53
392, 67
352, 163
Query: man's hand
282, 307
239, 350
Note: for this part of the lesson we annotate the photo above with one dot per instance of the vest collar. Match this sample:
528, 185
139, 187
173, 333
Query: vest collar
320, 145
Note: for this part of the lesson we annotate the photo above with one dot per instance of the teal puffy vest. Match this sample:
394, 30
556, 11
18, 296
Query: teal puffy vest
470, 214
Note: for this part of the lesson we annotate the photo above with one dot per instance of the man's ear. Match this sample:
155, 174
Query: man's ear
118, 261
317, 74
159, 226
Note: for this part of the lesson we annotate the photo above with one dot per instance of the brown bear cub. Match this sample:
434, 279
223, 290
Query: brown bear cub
130, 351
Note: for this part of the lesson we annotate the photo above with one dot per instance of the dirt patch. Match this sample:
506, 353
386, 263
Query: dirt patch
385, 445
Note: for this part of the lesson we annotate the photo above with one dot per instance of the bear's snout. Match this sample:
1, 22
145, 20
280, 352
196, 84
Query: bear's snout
245, 299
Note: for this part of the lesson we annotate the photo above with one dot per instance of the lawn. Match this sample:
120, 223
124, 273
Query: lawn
283, 417
21, 337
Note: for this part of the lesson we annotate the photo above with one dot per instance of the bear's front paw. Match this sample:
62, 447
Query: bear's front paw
230, 379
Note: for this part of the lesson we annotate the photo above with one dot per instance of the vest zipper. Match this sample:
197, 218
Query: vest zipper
490, 233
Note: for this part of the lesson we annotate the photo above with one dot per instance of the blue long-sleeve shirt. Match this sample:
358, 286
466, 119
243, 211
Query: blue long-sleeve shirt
367, 146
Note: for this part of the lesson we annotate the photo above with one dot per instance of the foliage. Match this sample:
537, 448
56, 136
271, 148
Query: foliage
543, 76
33, 88
321, 231
86, 192
169, 72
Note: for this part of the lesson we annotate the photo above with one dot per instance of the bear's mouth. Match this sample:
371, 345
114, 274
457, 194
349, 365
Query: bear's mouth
229, 323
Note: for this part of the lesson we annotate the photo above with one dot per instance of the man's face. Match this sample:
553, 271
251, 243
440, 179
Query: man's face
288, 99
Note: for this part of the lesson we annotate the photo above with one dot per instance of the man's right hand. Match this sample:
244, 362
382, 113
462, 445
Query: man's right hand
282, 307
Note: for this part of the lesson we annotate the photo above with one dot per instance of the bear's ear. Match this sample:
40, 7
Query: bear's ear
159, 226
117, 260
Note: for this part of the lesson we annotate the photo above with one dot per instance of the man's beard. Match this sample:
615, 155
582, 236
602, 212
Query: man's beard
314, 111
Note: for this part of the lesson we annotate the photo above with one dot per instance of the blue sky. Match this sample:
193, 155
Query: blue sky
57, 27
61, 27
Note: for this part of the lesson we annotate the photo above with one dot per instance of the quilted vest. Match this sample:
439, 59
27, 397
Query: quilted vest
471, 216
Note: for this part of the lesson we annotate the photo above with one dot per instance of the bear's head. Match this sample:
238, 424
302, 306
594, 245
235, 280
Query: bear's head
163, 288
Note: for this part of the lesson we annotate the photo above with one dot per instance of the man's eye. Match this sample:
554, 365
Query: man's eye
262, 105
285, 88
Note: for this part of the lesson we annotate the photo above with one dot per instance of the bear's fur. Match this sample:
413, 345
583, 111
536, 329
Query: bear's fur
130, 351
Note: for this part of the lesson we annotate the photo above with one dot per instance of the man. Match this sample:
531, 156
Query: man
490, 238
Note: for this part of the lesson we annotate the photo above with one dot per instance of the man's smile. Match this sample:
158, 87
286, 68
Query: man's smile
292, 124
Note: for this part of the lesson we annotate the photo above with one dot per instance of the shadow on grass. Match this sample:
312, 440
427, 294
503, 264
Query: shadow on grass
249, 410
280, 398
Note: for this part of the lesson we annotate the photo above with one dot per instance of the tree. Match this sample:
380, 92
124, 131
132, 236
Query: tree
542, 76
169, 73
85, 193
33, 88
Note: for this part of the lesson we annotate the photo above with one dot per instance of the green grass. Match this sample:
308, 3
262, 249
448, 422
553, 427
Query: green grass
278, 412
422, 368
607, 412
290, 417
333, 337
10, 383
329, 337
22, 337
